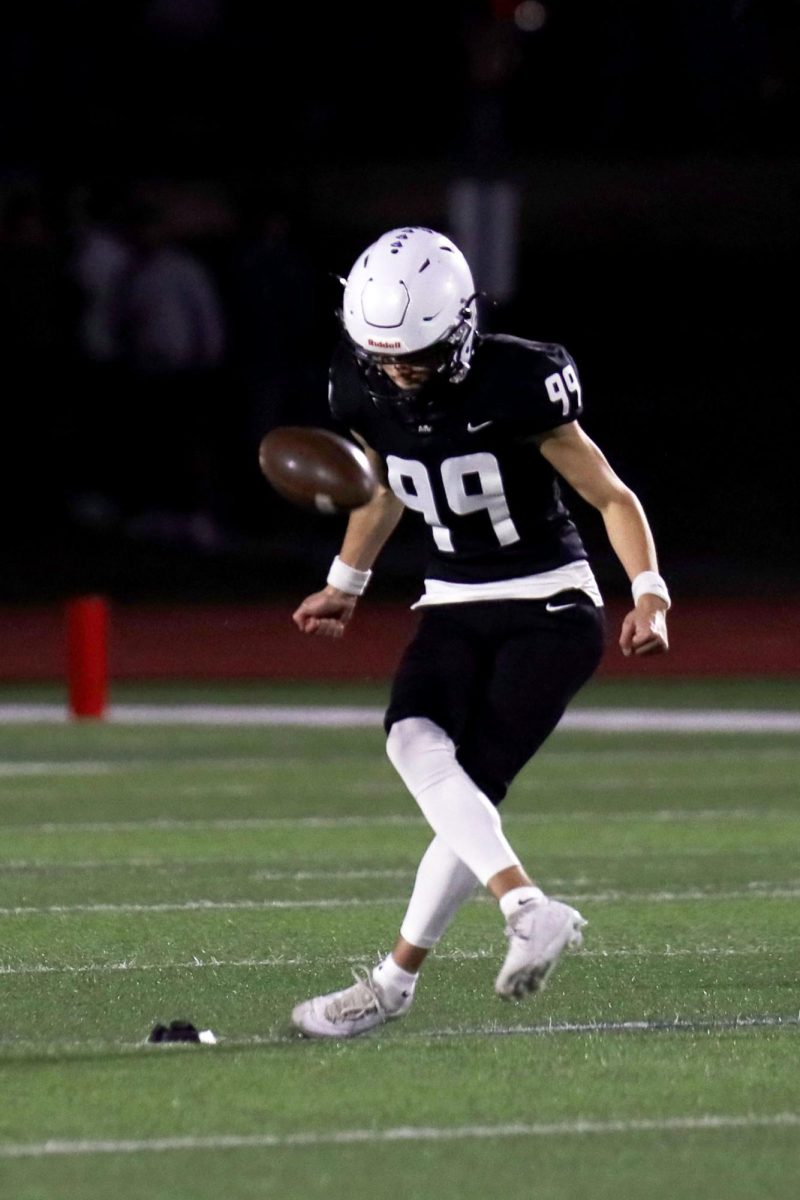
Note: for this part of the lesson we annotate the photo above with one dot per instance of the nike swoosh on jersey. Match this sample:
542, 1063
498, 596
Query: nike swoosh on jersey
559, 607
474, 428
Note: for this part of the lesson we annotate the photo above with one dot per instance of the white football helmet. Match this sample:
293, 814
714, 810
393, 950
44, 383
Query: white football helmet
410, 298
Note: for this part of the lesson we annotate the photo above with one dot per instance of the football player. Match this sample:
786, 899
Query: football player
471, 431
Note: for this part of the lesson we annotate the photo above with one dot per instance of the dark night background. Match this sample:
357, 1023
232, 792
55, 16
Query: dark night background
653, 153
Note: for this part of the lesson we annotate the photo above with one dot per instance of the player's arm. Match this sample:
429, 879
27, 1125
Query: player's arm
578, 460
368, 529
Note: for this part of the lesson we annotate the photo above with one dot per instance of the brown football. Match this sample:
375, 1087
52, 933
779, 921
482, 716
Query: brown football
316, 468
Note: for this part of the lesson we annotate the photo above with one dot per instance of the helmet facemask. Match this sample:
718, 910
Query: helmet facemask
448, 357
423, 405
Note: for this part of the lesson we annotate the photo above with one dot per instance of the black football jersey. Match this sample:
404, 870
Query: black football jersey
474, 470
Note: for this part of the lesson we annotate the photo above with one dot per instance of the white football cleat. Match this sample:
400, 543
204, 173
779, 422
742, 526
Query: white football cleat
536, 934
353, 1010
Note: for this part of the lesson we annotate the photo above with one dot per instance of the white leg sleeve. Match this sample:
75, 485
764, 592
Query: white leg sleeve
442, 885
425, 758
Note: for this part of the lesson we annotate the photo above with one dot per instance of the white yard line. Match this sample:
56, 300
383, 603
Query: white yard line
199, 964
580, 1127
253, 871
263, 765
134, 908
602, 720
664, 720
749, 892
265, 770
409, 819
677, 1025
282, 961
229, 824
243, 870
10, 770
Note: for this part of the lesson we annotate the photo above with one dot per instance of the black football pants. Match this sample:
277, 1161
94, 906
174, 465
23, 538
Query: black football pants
497, 675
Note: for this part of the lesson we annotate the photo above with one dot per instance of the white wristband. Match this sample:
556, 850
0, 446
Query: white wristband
348, 579
650, 583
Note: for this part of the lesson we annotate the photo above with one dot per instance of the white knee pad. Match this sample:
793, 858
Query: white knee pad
421, 753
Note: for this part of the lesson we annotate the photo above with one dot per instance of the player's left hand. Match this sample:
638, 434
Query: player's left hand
644, 630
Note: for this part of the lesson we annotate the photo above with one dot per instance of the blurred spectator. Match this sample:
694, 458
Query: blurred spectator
100, 257
169, 319
169, 333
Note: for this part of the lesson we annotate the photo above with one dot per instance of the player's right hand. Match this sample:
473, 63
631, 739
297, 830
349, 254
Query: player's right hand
325, 613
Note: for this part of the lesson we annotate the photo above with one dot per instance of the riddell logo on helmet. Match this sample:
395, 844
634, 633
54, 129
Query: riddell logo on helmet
384, 345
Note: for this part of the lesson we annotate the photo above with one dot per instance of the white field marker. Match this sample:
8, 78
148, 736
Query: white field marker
580, 1127
590, 720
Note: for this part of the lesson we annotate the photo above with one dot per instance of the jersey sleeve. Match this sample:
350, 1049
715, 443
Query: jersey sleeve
560, 395
539, 386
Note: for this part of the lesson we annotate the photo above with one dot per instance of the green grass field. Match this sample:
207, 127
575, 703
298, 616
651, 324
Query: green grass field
221, 874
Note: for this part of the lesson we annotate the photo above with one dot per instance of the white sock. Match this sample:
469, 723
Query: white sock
425, 758
510, 902
396, 983
442, 885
